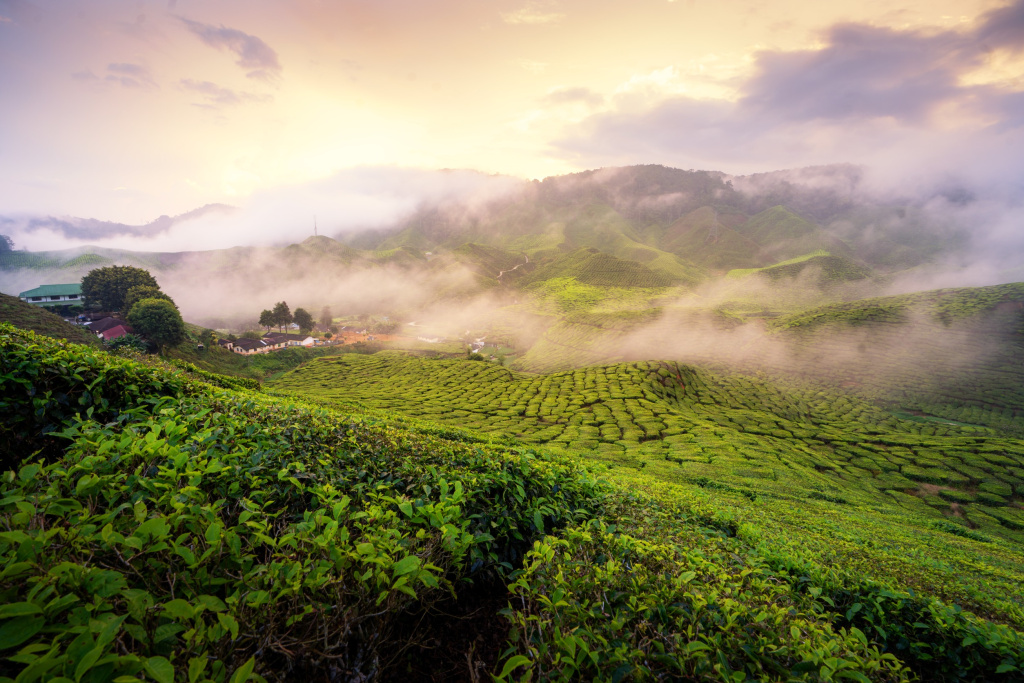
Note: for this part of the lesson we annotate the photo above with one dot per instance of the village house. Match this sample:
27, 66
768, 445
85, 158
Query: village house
280, 340
53, 295
115, 332
226, 344
247, 347
98, 327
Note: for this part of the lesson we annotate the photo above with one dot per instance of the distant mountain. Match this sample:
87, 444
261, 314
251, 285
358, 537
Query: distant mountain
92, 229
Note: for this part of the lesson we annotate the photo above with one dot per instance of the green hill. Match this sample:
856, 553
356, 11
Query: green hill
28, 317
593, 267
701, 238
199, 512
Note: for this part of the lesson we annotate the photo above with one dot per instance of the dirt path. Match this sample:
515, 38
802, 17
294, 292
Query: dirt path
514, 267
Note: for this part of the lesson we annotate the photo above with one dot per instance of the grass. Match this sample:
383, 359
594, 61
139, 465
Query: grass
26, 316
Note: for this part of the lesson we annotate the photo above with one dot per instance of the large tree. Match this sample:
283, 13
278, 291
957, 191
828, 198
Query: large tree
304, 320
159, 321
105, 289
6, 244
267, 319
140, 292
282, 315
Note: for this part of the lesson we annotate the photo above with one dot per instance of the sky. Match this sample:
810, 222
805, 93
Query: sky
125, 110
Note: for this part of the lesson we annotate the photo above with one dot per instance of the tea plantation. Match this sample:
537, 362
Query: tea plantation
637, 521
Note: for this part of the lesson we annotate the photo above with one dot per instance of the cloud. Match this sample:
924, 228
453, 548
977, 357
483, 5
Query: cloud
907, 102
355, 199
574, 95
254, 55
220, 95
130, 75
533, 13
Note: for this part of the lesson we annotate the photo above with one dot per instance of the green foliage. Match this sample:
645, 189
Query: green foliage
210, 527
28, 317
281, 315
105, 289
140, 292
127, 341
159, 321
593, 267
304, 320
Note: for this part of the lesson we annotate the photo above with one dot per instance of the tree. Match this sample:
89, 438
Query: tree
140, 292
132, 342
159, 321
326, 318
267, 319
304, 320
282, 315
328, 335
104, 289
6, 244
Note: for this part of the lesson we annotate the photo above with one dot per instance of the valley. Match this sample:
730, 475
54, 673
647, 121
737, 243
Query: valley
635, 424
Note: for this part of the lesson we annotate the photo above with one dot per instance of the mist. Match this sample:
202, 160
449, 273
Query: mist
354, 199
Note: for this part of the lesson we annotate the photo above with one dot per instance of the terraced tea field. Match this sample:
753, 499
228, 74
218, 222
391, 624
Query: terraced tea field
684, 424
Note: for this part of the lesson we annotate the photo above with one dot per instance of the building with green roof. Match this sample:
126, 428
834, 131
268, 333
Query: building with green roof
54, 295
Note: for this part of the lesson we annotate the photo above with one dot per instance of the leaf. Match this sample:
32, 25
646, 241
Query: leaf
243, 672
196, 666
538, 521
17, 631
213, 532
406, 565
179, 609
19, 609
160, 669
518, 660
229, 623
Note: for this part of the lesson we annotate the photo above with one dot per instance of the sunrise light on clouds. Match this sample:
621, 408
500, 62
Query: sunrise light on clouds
127, 110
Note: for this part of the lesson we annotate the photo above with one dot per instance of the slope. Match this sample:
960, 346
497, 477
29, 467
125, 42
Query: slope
227, 534
28, 317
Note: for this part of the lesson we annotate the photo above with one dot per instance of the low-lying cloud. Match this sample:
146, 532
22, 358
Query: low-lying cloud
359, 198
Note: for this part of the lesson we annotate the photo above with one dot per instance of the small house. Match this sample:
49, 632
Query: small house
54, 295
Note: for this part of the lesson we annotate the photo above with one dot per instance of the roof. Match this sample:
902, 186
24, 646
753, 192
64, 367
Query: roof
115, 332
104, 324
286, 336
250, 344
53, 290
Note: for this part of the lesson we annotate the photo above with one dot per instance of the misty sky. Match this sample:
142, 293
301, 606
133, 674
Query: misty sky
125, 109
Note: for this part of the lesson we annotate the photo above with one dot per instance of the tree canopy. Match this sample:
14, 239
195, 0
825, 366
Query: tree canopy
159, 321
105, 289
6, 244
282, 314
140, 292
267, 319
304, 320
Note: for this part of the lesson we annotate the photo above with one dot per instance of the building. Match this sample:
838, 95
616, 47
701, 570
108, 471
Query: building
115, 332
98, 327
247, 347
54, 295
279, 340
